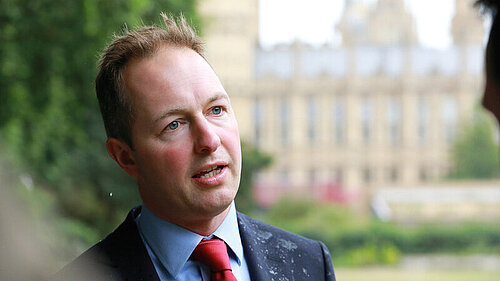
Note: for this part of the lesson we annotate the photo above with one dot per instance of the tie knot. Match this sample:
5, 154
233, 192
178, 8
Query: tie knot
213, 252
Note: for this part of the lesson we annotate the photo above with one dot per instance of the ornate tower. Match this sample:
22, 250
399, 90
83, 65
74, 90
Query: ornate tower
353, 25
467, 31
391, 24
466, 26
231, 33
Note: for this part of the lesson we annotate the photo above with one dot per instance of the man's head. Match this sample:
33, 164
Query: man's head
116, 108
182, 142
491, 98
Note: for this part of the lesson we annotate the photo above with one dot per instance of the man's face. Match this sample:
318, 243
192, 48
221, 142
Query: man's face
187, 153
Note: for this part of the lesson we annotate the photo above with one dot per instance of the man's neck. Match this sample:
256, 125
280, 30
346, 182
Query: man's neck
203, 226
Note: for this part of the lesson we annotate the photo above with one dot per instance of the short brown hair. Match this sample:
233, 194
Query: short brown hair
116, 108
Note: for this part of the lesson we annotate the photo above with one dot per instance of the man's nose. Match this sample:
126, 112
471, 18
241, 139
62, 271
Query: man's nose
206, 139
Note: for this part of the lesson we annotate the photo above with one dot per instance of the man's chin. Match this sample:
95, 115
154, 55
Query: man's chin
217, 207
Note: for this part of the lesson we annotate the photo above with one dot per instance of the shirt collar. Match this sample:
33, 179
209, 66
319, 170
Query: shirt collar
229, 232
180, 242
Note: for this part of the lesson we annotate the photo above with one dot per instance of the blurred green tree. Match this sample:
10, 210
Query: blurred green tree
253, 161
311, 218
475, 153
49, 119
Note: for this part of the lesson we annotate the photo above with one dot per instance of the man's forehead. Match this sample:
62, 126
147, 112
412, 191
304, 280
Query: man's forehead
163, 69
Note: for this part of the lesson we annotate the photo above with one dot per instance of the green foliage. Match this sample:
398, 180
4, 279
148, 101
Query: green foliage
253, 161
312, 218
362, 256
475, 153
49, 119
453, 239
357, 241
371, 254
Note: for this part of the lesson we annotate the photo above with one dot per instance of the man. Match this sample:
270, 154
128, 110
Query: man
170, 125
491, 97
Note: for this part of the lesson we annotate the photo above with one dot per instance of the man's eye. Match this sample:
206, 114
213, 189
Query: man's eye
217, 110
174, 125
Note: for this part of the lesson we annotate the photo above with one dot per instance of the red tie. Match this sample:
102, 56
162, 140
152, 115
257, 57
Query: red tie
213, 252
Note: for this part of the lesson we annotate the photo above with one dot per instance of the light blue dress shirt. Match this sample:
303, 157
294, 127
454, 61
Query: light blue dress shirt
170, 247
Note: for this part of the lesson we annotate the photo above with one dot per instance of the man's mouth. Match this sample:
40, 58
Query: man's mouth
210, 172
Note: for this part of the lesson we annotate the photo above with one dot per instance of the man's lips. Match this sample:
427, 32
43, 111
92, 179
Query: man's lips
211, 175
210, 172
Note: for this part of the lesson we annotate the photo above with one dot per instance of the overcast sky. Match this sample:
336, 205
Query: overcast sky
313, 21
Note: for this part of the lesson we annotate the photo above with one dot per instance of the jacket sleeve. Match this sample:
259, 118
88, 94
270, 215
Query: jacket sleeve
328, 265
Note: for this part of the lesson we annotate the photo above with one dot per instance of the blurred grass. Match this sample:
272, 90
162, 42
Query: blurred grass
397, 274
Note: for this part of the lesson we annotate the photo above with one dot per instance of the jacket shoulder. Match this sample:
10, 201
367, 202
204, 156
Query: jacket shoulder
283, 254
91, 265
120, 256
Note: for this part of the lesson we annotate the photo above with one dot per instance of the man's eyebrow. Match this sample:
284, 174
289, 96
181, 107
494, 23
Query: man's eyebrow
218, 96
169, 112
178, 110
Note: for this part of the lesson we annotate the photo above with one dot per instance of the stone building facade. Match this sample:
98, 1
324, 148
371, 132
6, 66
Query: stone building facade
340, 121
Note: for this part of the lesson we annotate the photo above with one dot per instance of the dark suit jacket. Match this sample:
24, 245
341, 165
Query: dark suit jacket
271, 254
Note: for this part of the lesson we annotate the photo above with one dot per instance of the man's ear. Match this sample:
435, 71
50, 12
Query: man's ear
121, 152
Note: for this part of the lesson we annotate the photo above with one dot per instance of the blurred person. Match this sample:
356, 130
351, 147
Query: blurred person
24, 255
170, 125
491, 97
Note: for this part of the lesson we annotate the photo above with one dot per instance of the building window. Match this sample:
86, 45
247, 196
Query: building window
367, 175
285, 177
339, 121
366, 119
423, 120
393, 174
423, 174
450, 118
258, 117
394, 120
313, 176
284, 120
338, 176
312, 124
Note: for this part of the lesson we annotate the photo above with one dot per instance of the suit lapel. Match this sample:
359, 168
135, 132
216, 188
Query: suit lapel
127, 253
265, 261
